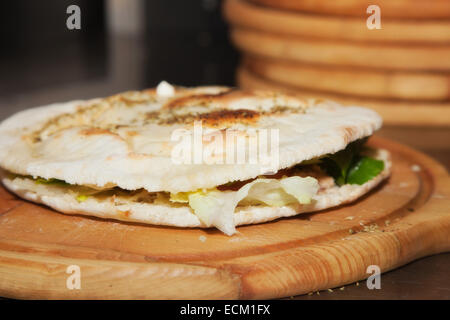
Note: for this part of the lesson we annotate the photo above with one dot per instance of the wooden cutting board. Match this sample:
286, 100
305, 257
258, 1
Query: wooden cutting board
394, 112
405, 218
246, 14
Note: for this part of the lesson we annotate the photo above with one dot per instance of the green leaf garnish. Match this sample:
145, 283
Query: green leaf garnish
364, 169
348, 166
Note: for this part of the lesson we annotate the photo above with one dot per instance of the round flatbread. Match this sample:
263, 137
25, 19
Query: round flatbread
248, 15
121, 140
349, 54
358, 82
409, 9
114, 157
393, 112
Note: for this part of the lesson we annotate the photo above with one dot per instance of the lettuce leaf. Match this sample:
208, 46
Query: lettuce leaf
348, 166
216, 208
364, 169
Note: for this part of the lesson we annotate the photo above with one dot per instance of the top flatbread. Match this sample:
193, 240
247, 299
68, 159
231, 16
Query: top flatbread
125, 140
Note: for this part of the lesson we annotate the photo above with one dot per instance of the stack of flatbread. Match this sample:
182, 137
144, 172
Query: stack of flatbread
135, 156
332, 49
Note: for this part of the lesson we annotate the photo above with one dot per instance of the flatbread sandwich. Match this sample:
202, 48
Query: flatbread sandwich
192, 157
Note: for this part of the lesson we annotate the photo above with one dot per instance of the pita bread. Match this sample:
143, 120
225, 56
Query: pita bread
343, 53
358, 82
409, 9
163, 212
246, 14
123, 142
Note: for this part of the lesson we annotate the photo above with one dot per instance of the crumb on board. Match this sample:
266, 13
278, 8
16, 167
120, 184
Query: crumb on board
371, 228
415, 168
349, 218
202, 238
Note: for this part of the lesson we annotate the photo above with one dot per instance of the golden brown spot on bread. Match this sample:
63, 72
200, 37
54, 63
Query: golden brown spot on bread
95, 131
99, 131
131, 133
125, 213
220, 117
214, 118
349, 132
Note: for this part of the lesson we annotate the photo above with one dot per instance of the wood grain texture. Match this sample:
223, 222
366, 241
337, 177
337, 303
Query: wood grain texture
357, 82
394, 112
243, 13
343, 53
409, 9
405, 218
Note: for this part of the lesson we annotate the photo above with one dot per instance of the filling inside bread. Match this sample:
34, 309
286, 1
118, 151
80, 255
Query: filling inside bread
299, 184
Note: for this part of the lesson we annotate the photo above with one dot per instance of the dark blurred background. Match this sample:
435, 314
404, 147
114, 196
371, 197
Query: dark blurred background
122, 45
